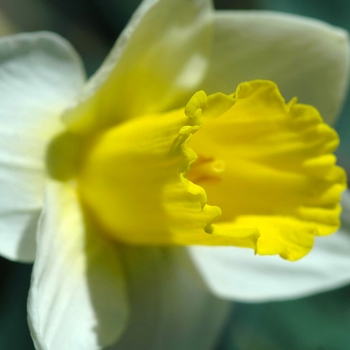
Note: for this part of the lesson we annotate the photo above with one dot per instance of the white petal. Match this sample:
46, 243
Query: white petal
40, 74
77, 296
171, 308
157, 63
305, 57
239, 275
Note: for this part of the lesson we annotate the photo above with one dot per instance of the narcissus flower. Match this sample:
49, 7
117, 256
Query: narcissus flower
113, 175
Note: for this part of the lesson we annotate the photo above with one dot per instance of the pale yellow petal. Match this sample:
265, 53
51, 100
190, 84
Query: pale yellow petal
156, 64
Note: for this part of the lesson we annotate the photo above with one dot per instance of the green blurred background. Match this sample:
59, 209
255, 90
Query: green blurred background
321, 322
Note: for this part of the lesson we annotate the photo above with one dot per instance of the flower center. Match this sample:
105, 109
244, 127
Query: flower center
206, 170
148, 180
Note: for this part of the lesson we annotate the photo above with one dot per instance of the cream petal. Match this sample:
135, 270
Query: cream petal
40, 74
239, 275
77, 296
305, 57
171, 308
156, 64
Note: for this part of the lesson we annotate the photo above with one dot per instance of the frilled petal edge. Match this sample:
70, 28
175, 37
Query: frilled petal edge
237, 274
269, 166
140, 169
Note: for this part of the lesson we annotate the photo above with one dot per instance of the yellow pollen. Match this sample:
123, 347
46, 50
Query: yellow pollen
206, 170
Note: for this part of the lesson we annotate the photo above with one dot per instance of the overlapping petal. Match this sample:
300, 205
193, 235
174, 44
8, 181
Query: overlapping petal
40, 74
77, 297
305, 57
156, 64
170, 306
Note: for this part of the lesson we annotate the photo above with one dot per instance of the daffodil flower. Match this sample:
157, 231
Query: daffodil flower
101, 182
